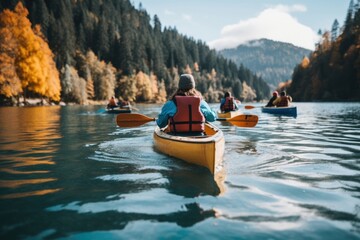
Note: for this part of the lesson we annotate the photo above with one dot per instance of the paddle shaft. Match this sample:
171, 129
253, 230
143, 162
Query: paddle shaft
136, 119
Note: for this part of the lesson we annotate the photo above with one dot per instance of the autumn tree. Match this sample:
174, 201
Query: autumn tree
102, 75
127, 88
248, 94
122, 35
29, 55
145, 87
83, 70
10, 84
73, 86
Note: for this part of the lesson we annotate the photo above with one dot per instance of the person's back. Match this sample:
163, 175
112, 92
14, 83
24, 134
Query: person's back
188, 117
227, 103
186, 89
112, 104
283, 100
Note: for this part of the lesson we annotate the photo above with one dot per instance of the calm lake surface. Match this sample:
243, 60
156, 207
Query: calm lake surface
71, 173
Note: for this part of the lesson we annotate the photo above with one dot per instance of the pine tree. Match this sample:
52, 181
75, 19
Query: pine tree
349, 16
334, 30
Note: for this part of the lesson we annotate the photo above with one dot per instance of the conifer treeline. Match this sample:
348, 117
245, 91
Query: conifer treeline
108, 47
332, 71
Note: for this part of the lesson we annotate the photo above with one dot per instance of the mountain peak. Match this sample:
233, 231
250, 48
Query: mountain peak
274, 61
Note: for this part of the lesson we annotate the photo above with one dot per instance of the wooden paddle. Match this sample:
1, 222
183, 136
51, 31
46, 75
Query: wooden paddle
132, 119
136, 119
243, 120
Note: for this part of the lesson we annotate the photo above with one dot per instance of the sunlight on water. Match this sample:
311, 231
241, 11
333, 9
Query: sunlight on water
25, 138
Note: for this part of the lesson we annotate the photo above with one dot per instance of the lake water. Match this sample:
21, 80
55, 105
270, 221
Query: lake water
71, 173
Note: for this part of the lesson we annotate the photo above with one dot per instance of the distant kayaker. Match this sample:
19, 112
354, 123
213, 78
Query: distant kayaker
228, 103
122, 103
272, 99
186, 111
283, 101
112, 103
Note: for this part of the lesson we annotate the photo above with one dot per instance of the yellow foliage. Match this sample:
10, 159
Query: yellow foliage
248, 94
143, 85
305, 62
127, 88
154, 84
188, 69
32, 57
161, 96
9, 81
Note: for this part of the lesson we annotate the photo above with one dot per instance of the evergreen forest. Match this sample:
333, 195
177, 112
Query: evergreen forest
274, 61
89, 50
332, 71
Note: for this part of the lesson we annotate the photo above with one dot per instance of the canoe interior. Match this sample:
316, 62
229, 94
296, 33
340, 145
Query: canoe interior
230, 114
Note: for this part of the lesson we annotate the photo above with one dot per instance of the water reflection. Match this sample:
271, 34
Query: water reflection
136, 183
31, 140
287, 178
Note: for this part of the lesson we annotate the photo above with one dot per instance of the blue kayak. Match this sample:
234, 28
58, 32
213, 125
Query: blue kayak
290, 111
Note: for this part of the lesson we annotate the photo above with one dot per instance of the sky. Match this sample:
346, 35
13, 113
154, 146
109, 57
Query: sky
228, 23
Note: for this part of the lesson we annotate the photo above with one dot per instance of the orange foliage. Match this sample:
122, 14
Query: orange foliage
31, 56
9, 81
305, 62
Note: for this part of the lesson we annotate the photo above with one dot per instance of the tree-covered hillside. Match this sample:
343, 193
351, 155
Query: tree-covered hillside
108, 47
332, 72
272, 60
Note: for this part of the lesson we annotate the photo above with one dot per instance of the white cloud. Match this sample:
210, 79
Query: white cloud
273, 23
186, 17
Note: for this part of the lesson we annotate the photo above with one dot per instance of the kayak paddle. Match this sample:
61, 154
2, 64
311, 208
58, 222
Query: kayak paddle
243, 120
132, 119
136, 119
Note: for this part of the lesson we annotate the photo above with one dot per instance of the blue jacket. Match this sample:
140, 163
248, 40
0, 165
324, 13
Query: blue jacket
169, 109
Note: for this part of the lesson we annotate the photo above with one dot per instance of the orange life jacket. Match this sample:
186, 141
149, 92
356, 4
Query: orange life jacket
228, 105
284, 101
188, 117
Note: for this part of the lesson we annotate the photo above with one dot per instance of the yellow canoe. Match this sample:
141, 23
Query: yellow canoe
207, 151
230, 114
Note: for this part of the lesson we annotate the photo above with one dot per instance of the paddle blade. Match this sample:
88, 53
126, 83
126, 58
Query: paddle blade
244, 120
132, 119
249, 107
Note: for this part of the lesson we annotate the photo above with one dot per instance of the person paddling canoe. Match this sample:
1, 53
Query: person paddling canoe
272, 99
112, 104
282, 101
228, 103
186, 111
